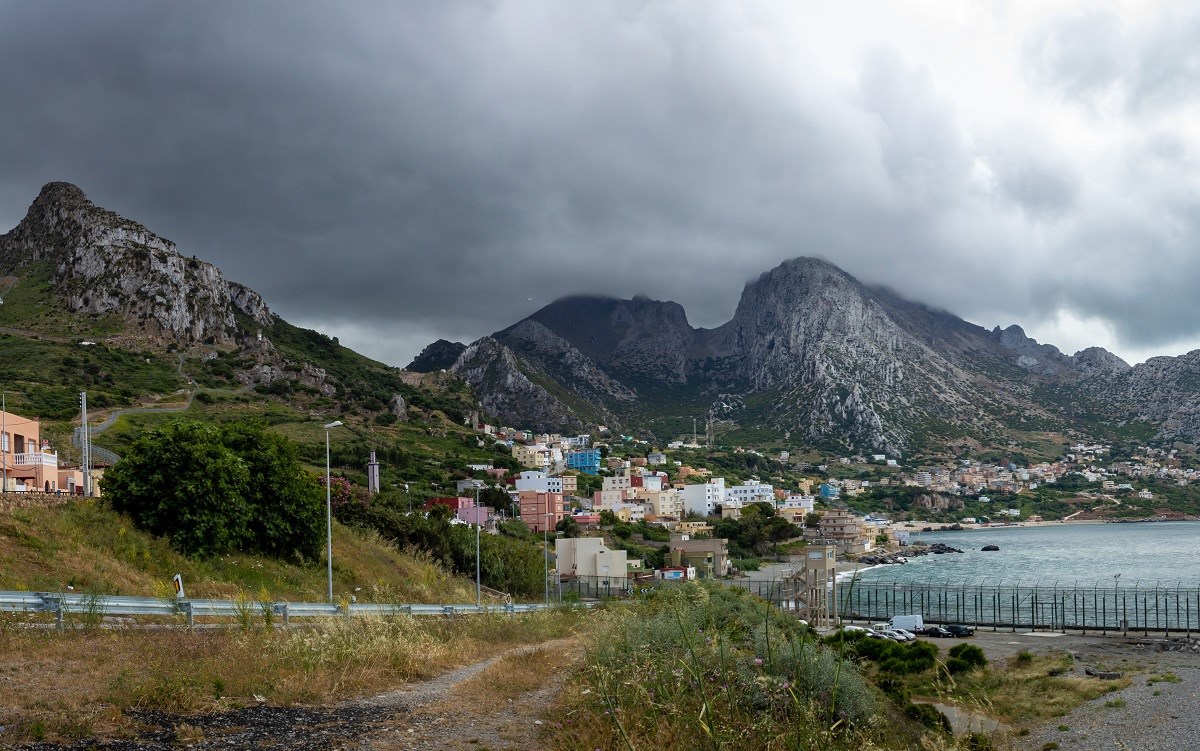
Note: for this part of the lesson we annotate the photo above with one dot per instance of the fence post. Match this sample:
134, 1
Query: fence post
187, 609
287, 615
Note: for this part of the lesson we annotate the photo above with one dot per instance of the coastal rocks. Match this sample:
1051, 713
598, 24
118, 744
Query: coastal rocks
937, 548
883, 560
987, 548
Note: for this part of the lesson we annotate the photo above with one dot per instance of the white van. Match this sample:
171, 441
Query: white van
913, 623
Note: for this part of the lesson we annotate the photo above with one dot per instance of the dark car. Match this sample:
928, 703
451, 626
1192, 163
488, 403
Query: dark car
939, 632
960, 630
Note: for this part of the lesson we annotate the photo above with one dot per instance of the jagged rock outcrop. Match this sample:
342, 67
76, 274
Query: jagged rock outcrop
104, 263
507, 393
1097, 360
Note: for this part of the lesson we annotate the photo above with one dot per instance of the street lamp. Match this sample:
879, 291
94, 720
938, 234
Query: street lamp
329, 511
478, 578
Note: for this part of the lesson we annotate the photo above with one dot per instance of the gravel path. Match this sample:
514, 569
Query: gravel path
1146, 716
420, 717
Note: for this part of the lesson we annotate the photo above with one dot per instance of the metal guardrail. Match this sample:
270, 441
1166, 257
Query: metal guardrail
98, 606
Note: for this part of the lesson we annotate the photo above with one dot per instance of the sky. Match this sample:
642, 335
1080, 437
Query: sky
394, 173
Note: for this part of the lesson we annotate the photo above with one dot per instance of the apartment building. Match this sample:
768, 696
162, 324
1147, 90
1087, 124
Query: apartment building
541, 511
703, 498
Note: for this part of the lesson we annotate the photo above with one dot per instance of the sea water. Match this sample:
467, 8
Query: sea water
1087, 554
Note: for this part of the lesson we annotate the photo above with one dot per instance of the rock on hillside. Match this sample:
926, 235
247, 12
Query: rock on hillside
104, 263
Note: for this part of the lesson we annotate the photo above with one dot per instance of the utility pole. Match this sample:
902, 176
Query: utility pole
478, 569
4, 441
86, 451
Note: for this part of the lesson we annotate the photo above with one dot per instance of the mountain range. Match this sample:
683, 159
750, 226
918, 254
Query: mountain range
811, 356
815, 357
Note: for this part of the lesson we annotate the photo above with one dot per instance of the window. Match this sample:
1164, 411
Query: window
4, 447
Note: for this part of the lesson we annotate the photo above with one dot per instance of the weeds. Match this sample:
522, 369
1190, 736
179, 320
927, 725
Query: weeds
94, 675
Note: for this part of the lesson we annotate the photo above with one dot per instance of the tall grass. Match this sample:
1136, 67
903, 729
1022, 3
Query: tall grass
65, 676
709, 667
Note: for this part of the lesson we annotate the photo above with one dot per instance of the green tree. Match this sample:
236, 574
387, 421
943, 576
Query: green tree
214, 490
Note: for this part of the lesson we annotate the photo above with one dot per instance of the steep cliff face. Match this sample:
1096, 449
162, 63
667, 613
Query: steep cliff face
843, 364
507, 393
103, 263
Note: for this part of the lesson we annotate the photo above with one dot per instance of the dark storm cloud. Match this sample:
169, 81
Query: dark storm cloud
395, 173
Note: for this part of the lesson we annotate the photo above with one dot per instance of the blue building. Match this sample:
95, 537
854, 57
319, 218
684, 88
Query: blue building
586, 461
829, 491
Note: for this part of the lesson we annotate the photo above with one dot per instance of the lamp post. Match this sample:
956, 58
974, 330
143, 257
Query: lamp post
329, 512
478, 578
4, 441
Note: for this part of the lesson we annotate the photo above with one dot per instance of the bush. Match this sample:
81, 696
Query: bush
928, 716
970, 654
213, 490
957, 666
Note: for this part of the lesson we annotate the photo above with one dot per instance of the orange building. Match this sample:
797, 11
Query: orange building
541, 511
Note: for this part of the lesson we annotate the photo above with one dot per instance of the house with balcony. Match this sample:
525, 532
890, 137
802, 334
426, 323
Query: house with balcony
28, 463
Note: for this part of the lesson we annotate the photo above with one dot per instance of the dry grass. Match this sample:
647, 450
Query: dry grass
68, 685
1024, 690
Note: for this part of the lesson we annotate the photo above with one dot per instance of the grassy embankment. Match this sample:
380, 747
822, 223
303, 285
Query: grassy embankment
86, 546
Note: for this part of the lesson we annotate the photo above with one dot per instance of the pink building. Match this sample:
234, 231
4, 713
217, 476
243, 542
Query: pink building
541, 511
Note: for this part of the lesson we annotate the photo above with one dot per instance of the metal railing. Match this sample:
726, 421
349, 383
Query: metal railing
96, 607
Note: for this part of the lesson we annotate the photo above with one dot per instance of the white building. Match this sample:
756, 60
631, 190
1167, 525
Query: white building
589, 557
751, 492
539, 481
704, 498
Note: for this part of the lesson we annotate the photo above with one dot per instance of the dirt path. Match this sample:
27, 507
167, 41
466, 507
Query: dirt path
494, 704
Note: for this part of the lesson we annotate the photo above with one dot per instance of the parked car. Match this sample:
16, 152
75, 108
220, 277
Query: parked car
855, 629
960, 630
938, 632
894, 635
908, 635
878, 635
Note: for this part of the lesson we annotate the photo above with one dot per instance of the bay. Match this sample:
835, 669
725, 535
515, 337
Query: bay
1085, 554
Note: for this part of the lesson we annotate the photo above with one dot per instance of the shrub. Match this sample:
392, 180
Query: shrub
928, 716
970, 654
214, 489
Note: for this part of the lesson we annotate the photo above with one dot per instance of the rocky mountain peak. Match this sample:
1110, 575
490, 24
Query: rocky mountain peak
103, 263
1098, 360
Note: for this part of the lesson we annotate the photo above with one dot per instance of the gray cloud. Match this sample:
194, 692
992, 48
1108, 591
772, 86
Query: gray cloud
395, 173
